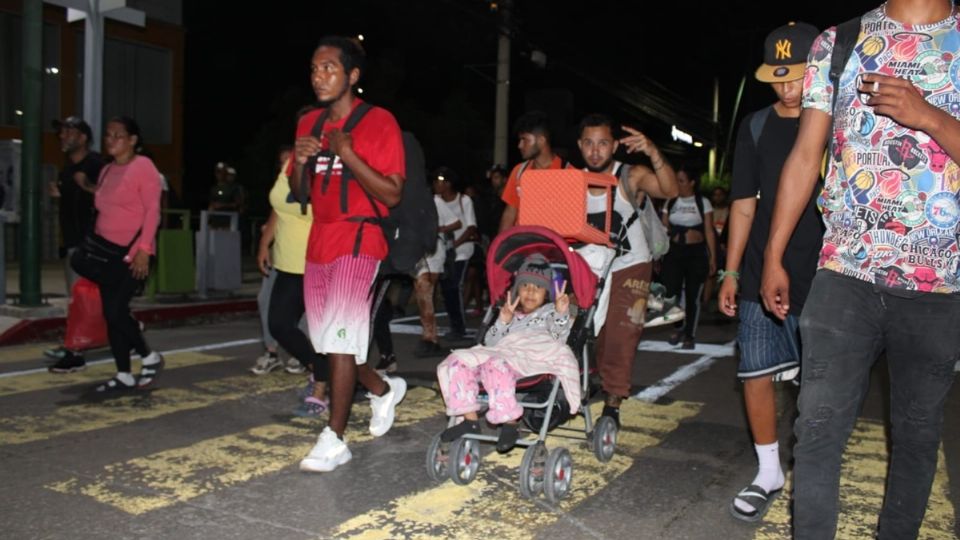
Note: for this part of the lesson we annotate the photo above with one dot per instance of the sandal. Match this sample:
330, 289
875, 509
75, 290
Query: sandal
150, 372
114, 385
756, 497
312, 407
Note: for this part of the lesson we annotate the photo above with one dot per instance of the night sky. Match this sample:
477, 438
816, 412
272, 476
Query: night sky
431, 63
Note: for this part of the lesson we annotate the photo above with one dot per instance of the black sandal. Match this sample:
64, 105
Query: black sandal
114, 385
463, 428
149, 373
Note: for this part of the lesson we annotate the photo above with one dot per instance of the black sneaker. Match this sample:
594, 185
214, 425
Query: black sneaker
69, 363
56, 353
387, 364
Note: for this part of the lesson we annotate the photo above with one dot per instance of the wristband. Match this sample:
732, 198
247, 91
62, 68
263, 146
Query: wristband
732, 273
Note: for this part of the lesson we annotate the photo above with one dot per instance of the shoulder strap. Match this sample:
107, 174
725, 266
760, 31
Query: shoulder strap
356, 115
846, 38
757, 121
523, 167
311, 164
698, 199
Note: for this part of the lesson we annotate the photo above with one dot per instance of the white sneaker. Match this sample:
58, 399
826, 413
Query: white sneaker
328, 454
385, 406
294, 366
265, 364
673, 315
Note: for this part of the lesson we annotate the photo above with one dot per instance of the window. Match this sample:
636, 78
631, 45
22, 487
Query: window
138, 82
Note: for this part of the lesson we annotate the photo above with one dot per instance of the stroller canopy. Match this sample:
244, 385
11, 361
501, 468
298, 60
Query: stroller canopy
510, 248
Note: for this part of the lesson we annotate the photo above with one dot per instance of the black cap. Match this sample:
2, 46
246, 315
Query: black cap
785, 52
74, 122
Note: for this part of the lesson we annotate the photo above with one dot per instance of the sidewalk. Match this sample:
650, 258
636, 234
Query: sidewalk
24, 324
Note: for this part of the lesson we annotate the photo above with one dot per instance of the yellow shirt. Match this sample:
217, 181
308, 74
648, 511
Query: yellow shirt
293, 228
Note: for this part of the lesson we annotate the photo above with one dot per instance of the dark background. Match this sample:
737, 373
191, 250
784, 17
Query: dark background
431, 63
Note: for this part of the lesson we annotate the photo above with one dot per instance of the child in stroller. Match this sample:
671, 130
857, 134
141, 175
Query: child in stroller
528, 338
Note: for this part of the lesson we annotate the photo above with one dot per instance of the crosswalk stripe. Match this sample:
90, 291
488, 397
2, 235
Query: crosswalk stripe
169, 477
491, 504
862, 484
89, 416
92, 374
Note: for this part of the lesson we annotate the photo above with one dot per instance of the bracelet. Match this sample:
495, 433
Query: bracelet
658, 165
732, 273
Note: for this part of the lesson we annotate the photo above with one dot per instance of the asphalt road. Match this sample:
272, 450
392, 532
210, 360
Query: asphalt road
212, 452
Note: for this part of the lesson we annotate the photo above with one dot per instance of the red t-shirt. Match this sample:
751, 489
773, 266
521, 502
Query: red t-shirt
377, 141
511, 194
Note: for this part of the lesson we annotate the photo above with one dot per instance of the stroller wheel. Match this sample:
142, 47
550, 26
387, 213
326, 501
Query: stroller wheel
559, 474
604, 440
531, 470
438, 459
465, 462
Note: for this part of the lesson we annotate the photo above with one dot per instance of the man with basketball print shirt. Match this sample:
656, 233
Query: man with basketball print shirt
888, 275
346, 244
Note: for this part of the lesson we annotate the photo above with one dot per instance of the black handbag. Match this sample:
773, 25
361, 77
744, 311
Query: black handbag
95, 256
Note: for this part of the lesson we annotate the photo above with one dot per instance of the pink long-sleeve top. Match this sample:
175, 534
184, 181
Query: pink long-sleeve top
127, 201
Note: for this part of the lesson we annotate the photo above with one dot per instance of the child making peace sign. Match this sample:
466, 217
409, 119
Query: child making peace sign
529, 338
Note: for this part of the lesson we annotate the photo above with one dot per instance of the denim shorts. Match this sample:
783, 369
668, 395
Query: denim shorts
767, 344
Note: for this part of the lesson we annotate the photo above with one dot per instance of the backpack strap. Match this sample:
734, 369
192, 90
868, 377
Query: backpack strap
757, 121
846, 38
346, 175
311, 164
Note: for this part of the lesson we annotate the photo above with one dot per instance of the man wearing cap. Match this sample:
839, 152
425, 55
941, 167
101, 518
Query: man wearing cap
769, 347
226, 195
75, 187
888, 277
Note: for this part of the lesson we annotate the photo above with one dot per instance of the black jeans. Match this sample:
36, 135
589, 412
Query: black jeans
118, 288
685, 268
845, 325
286, 309
451, 287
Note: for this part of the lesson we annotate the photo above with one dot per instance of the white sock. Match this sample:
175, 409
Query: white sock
151, 359
126, 378
770, 475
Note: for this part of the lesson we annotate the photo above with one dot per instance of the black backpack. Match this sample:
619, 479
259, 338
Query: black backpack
411, 227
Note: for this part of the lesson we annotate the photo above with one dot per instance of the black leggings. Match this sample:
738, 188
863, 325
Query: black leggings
286, 309
685, 268
123, 331
381, 320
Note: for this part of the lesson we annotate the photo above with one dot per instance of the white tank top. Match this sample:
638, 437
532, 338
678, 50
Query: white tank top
639, 251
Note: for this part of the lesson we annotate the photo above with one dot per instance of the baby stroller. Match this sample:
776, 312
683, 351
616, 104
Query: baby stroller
544, 406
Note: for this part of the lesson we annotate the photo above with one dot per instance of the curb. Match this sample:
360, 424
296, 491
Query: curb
46, 328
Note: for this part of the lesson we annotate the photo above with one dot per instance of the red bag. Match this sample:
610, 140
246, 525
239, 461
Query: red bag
86, 327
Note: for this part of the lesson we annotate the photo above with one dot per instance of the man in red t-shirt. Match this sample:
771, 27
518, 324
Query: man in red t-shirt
533, 134
355, 177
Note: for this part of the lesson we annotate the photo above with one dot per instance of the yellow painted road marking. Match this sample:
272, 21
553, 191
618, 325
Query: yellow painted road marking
862, 483
177, 475
21, 353
491, 506
94, 374
139, 406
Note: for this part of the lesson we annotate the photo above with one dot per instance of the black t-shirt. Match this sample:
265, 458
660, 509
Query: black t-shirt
756, 173
76, 204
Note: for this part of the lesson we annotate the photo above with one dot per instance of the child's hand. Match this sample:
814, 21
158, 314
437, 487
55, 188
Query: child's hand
509, 307
562, 302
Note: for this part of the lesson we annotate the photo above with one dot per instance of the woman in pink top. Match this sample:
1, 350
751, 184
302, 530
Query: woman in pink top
128, 213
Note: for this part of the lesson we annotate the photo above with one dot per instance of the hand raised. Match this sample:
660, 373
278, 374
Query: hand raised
509, 308
562, 299
636, 141
304, 147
